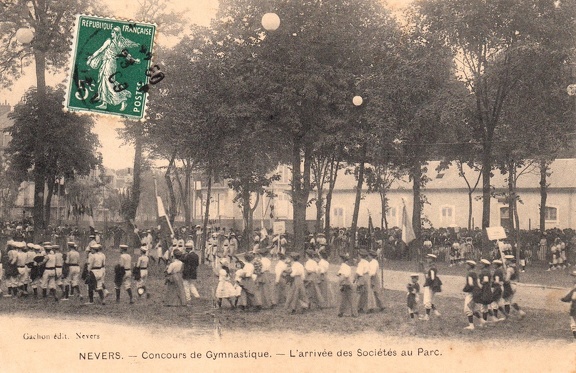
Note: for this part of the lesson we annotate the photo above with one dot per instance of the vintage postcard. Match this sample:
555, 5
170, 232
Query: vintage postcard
110, 67
119, 301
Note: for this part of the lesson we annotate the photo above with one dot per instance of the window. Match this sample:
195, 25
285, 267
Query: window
447, 216
338, 219
551, 213
392, 216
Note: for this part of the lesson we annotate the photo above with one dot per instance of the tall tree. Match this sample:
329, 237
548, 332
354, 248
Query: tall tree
489, 36
62, 146
51, 23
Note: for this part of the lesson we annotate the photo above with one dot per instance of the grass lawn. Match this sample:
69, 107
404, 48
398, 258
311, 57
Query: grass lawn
202, 317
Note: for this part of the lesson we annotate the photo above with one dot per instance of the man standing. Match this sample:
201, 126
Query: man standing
96, 265
345, 278
125, 264
72, 280
190, 271
472, 291
311, 280
11, 270
374, 272
49, 276
142, 266
432, 285
486, 286
366, 301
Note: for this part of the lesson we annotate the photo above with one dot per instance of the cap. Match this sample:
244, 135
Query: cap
573, 273
310, 252
431, 256
345, 256
471, 262
373, 253
47, 243
30, 245
96, 246
362, 252
497, 261
509, 257
144, 249
189, 245
71, 244
123, 247
56, 247
414, 275
485, 261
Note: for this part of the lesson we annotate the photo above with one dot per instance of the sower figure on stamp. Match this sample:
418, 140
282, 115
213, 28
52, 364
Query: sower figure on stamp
104, 59
432, 285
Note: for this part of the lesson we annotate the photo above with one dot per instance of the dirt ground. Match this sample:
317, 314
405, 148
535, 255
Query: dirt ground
204, 318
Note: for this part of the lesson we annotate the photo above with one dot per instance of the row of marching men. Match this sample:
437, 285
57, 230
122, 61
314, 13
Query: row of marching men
253, 284
489, 293
32, 267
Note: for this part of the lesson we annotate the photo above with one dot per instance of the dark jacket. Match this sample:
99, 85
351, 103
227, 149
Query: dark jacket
191, 262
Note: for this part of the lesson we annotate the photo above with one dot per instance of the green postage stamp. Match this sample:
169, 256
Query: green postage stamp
110, 67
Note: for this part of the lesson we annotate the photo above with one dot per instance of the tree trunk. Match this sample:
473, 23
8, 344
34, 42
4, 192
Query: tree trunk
486, 186
300, 192
134, 199
173, 206
470, 210
206, 215
417, 196
39, 177
384, 207
334, 166
358, 197
512, 197
247, 216
186, 196
48, 201
319, 212
543, 193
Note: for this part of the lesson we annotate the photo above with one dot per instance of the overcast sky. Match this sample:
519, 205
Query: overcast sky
115, 155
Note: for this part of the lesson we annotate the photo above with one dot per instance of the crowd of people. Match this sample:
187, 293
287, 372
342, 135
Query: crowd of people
270, 274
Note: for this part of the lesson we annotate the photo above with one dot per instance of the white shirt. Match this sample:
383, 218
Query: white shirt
266, 264
311, 266
297, 269
363, 267
345, 271
279, 269
248, 269
323, 266
174, 267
